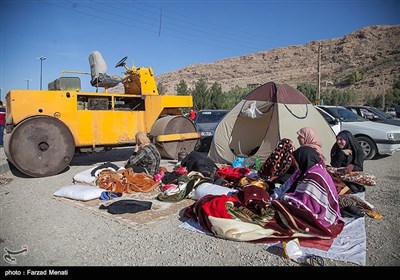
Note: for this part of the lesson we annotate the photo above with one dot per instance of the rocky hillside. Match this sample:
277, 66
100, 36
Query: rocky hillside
374, 50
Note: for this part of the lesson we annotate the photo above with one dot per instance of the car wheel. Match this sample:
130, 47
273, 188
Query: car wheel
368, 146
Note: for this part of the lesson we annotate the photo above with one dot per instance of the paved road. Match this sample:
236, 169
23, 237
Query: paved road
61, 234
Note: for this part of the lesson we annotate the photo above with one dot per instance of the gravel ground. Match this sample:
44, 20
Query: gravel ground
59, 234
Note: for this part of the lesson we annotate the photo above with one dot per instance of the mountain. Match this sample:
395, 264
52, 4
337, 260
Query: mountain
373, 50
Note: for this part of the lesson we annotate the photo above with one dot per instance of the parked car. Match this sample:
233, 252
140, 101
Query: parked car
391, 112
375, 138
374, 114
206, 122
333, 122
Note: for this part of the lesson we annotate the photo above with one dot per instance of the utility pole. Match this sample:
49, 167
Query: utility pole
317, 100
41, 69
159, 30
383, 93
27, 83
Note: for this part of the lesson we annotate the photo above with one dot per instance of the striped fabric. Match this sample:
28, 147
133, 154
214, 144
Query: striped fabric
316, 193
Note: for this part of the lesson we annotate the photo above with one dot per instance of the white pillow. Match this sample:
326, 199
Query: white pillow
79, 192
85, 177
208, 188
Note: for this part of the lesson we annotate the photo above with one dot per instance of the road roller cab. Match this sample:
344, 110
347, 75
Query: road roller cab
46, 128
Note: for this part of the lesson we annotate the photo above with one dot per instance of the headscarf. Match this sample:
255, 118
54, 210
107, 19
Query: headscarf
306, 157
343, 135
338, 159
141, 139
312, 140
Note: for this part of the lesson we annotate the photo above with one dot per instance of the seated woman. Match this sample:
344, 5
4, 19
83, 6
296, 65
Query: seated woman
311, 188
278, 167
146, 157
348, 153
308, 137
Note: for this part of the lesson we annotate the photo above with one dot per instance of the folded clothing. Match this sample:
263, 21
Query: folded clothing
127, 206
107, 195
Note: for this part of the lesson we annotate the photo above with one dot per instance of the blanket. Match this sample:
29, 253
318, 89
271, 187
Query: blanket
349, 246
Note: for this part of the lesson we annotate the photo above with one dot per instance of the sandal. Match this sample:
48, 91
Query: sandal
312, 260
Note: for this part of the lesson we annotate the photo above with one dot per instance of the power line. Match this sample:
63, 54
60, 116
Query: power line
210, 38
177, 31
224, 30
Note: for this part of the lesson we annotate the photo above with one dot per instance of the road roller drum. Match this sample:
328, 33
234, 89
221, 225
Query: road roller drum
172, 133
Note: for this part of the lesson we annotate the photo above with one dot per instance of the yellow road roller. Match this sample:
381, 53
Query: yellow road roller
46, 128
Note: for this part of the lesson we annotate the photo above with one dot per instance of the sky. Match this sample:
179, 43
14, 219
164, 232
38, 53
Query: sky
165, 35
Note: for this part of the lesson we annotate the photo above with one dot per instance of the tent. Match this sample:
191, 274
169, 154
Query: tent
255, 125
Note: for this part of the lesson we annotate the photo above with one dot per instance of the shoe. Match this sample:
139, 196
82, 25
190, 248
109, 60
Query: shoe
313, 260
352, 212
356, 188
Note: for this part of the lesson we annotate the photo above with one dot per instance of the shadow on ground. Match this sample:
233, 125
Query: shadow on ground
120, 154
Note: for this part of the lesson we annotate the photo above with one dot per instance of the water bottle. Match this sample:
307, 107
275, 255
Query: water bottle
257, 164
182, 154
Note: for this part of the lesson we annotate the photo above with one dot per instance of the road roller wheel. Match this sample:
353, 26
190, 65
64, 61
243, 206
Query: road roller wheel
174, 125
40, 146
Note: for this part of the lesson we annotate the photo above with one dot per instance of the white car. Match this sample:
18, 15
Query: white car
333, 122
375, 138
391, 112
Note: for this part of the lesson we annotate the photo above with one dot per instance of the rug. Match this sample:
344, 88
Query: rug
160, 212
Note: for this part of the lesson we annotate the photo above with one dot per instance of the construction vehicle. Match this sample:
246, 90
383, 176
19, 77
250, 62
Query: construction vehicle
46, 128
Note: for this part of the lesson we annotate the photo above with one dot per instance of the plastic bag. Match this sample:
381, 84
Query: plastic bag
238, 162
252, 111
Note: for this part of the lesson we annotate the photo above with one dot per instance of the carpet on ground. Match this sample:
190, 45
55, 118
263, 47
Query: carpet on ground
160, 211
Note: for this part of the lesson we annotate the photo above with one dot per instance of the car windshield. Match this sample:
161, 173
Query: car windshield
345, 115
329, 119
379, 113
209, 116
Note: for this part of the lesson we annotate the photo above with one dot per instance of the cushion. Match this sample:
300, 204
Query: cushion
79, 192
85, 177
208, 188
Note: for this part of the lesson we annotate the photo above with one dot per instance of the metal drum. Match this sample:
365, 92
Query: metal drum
172, 133
40, 146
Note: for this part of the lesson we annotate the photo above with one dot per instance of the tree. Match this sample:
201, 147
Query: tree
161, 89
339, 98
396, 92
396, 85
233, 96
182, 88
375, 101
310, 91
200, 95
355, 76
216, 97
